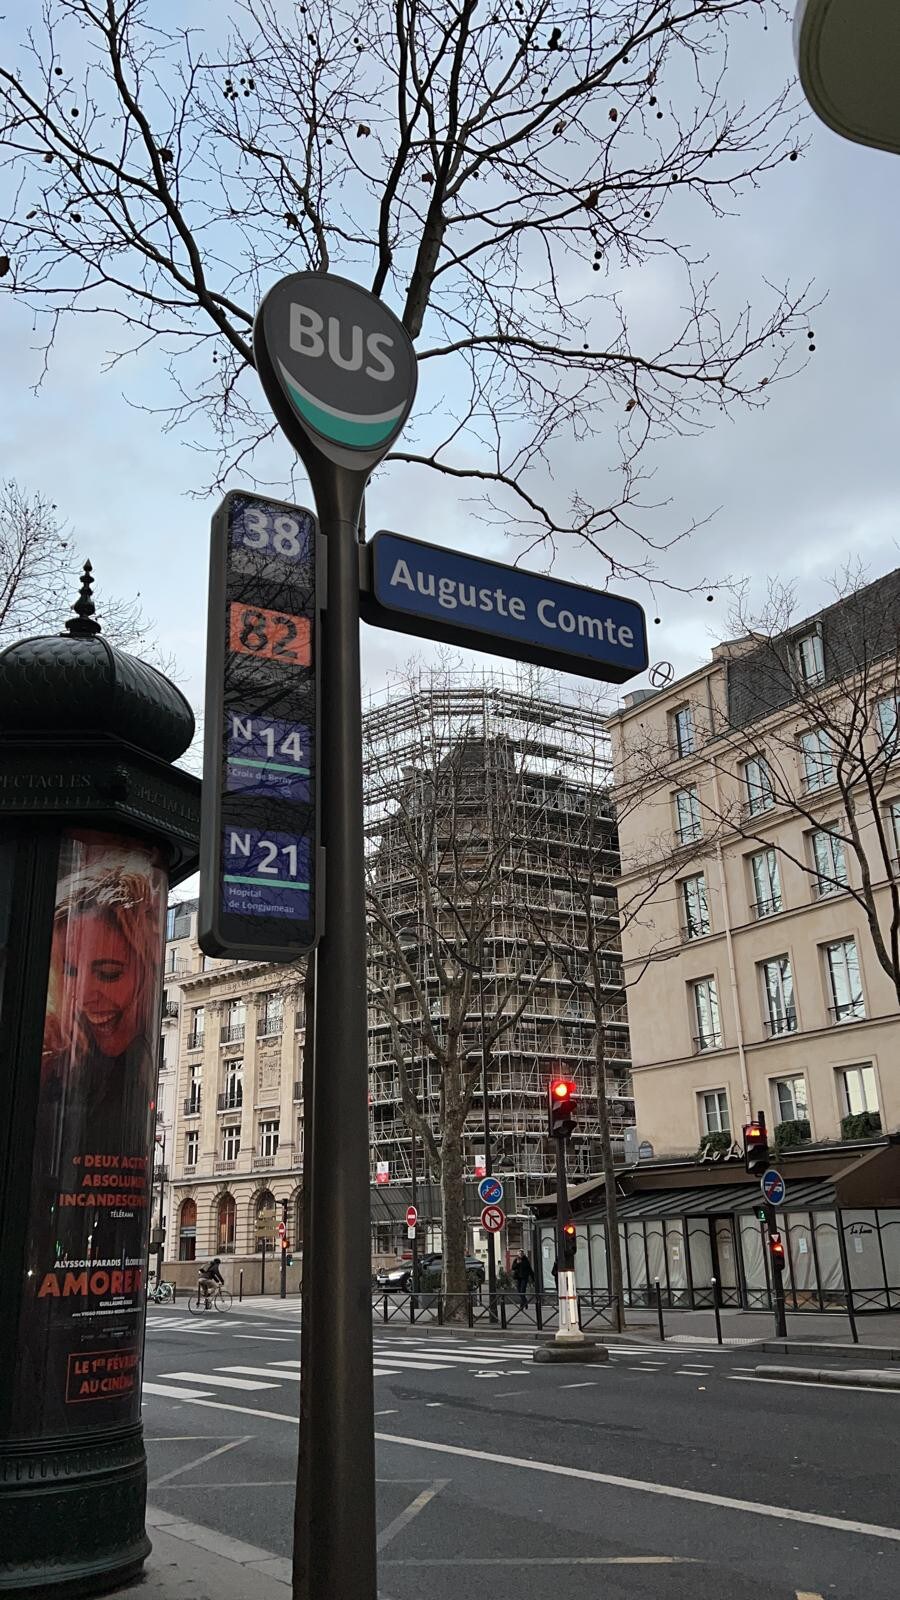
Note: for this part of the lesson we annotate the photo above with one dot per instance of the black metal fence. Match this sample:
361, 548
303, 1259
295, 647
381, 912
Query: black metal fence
476, 1308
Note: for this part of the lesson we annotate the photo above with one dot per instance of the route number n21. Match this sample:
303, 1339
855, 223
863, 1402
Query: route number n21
266, 862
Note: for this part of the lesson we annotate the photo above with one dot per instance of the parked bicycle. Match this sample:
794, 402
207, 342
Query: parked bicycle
161, 1293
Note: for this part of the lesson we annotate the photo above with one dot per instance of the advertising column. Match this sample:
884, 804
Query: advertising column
80, 1337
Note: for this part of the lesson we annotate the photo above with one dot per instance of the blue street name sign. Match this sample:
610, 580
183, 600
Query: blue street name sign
464, 600
490, 1190
773, 1186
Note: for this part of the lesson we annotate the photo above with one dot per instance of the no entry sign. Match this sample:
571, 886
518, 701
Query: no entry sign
412, 1216
493, 1219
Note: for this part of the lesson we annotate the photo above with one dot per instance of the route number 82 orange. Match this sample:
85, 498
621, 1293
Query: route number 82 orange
273, 635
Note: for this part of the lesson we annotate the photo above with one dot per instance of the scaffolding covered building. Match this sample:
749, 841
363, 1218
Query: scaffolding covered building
492, 845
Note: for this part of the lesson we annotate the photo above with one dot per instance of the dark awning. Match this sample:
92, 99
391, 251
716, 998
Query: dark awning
740, 1199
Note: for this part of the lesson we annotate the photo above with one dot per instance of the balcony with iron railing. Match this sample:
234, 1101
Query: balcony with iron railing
269, 1026
230, 1099
765, 907
192, 1105
706, 1041
195, 1040
848, 1010
783, 1022
232, 1033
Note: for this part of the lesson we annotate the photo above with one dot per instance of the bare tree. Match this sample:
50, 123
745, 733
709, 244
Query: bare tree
500, 172
587, 950
39, 573
446, 841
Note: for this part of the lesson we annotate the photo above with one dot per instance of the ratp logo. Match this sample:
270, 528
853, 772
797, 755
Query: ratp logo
340, 358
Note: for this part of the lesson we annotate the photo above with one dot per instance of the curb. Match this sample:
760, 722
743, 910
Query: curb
786, 1347
863, 1377
246, 1556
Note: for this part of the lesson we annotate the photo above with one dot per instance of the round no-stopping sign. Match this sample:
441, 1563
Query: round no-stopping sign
412, 1216
493, 1219
773, 1186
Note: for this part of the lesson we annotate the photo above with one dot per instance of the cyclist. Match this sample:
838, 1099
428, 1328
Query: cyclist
208, 1275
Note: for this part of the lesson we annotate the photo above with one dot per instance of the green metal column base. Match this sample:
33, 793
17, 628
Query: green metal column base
72, 1515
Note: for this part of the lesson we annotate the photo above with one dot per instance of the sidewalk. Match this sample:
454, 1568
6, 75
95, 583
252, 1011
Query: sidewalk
878, 1332
190, 1562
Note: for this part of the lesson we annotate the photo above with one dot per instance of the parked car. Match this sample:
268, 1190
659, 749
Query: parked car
398, 1279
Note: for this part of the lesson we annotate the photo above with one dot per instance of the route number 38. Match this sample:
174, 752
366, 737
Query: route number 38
275, 531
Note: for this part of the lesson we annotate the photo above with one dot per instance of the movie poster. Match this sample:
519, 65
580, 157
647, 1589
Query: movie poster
82, 1317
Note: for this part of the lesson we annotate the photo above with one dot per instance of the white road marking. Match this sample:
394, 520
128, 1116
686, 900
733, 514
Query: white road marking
200, 1461
220, 1380
168, 1393
266, 1338
502, 1394
412, 1510
757, 1508
588, 1384
263, 1372
810, 1383
391, 1413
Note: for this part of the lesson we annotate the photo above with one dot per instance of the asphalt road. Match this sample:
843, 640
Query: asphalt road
670, 1473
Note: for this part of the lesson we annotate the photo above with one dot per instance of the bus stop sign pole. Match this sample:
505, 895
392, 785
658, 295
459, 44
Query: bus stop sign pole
339, 372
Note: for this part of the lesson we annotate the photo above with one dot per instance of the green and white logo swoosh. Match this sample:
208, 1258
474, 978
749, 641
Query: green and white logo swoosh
341, 427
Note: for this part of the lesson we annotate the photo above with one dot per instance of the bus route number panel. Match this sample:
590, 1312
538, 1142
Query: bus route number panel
259, 821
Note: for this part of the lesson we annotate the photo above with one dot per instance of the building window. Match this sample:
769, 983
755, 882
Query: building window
844, 981
706, 1014
695, 910
233, 1026
225, 1227
859, 1090
893, 819
687, 815
271, 1013
817, 753
265, 1221
810, 657
683, 731
191, 1148
714, 1116
766, 883
231, 1143
187, 1231
778, 992
196, 1027
758, 785
268, 1138
232, 1097
887, 715
830, 862
194, 1089
790, 1099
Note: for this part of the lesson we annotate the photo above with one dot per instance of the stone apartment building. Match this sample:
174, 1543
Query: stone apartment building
752, 976
233, 1040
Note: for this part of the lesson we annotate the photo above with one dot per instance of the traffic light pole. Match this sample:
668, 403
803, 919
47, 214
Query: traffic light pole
777, 1273
283, 1284
488, 1162
569, 1327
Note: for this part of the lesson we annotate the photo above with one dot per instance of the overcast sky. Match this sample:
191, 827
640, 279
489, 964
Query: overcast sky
791, 491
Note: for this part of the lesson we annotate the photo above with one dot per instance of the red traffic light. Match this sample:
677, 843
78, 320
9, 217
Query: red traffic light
569, 1230
562, 1107
756, 1145
776, 1246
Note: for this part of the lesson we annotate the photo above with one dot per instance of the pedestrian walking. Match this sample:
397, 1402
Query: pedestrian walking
522, 1275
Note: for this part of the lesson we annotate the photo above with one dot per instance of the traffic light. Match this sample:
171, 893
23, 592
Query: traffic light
756, 1145
562, 1107
570, 1245
776, 1251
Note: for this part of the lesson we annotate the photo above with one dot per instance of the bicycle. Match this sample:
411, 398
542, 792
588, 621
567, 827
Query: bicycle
220, 1300
161, 1293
